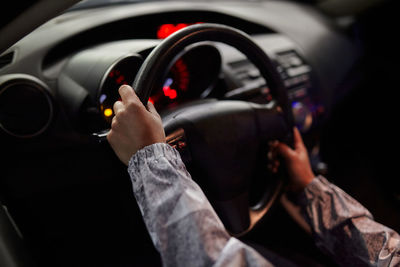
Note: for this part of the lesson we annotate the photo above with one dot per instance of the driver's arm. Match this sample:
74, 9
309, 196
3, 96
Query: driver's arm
341, 226
182, 224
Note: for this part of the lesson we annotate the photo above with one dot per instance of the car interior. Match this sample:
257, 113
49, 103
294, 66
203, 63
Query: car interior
227, 77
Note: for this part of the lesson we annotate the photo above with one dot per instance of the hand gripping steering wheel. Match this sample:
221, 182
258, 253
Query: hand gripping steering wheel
222, 141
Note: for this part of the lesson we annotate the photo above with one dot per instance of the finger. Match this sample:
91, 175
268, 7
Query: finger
273, 166
273, 148
128, 94
298, 141
115, 124
270, 167
276, 163
110, 136
118, 107
151, 108
273, 144
284, 150
270, 155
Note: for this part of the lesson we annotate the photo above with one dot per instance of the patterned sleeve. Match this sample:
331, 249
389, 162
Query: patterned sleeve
345, 230
182, 224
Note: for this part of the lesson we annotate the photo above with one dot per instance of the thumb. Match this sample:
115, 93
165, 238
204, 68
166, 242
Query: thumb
285, 151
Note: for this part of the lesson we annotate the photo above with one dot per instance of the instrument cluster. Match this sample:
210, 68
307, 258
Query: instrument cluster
191, 76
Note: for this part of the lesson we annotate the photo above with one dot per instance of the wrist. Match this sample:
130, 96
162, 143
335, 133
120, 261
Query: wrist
307, 181
302, 182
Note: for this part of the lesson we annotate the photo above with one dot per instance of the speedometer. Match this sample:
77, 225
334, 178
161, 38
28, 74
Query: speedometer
122, 72
175, 86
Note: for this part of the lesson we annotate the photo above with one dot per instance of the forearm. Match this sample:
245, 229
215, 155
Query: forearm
182, 224
345, 229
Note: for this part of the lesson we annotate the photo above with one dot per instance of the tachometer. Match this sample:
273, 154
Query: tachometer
122, 72
191, 77
89, 82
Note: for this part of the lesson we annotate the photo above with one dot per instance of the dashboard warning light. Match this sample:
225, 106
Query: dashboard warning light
108, 112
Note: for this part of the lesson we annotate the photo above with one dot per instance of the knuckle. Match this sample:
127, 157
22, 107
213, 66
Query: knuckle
110, 136
158, 117
116, 104
157, 120
133, 106
114, 124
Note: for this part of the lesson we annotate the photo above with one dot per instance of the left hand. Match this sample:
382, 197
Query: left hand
296, 159
134, 126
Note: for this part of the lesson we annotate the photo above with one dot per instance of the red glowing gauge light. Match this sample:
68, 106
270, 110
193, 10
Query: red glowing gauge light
166, 30
168, 91
117, 77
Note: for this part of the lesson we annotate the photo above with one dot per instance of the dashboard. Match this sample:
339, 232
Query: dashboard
76, 65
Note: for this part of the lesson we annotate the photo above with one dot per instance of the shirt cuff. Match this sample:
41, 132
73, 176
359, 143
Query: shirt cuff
152, 152
318, 187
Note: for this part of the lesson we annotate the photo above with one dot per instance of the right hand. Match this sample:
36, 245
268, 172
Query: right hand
134, 126
297, 162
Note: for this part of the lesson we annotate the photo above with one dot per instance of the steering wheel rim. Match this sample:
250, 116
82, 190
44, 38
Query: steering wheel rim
149, 78
158, 60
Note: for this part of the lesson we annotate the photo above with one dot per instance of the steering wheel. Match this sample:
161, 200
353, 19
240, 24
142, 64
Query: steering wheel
222, 141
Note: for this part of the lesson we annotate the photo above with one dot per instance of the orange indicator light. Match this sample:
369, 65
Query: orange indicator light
108, 112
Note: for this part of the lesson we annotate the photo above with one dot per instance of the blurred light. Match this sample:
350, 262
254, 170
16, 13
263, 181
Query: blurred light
168, 82
166, 30
169, 92
120, 79
108, 112
103, 97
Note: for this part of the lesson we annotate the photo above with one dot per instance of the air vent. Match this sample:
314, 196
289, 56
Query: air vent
26, 108
6, 59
